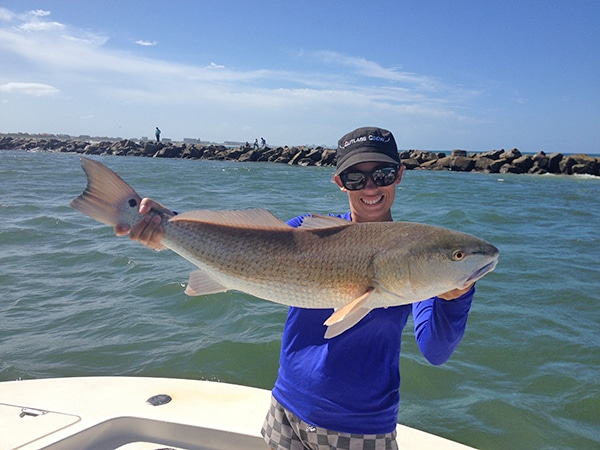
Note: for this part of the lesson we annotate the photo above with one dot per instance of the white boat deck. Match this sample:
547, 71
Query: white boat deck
104, 413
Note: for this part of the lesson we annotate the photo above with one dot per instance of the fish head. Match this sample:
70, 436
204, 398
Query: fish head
435, 261
451, 260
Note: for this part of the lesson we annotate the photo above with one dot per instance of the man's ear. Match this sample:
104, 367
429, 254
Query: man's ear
337, 180
400, 173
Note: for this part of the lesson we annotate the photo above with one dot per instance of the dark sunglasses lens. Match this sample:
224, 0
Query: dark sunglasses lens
354, 181
384, 177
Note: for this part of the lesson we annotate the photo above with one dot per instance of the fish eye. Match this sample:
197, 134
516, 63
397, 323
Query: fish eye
133, 202
458, 255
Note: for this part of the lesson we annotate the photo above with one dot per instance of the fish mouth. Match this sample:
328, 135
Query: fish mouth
481, 272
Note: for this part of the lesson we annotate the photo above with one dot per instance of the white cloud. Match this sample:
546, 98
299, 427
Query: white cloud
6, 15
365, 67
34, 89
42, 26
146, 43
40, 13
33, 22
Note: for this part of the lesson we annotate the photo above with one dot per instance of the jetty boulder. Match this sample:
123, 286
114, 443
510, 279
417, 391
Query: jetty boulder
487, 165
453, 163
579, 164
523, 163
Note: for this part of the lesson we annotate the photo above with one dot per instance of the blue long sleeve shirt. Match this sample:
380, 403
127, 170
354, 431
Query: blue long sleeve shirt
351, 383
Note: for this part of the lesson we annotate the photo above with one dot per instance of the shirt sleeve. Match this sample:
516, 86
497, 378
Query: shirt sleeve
296, 221
440, 325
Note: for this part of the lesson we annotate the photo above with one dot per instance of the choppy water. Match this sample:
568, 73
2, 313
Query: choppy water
77, 301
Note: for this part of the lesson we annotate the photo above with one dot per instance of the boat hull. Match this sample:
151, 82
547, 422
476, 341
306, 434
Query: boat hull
93, 413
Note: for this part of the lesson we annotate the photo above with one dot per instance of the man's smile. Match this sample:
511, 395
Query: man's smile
372, 201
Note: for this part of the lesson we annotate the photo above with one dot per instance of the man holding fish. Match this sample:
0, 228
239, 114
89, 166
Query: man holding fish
342, 390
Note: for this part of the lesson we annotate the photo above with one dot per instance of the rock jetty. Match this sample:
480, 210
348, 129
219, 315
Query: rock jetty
493, 161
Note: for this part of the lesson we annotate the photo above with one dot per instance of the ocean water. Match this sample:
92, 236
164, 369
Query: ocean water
77, 301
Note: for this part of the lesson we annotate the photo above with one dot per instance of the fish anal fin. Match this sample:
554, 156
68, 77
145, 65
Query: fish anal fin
200, 283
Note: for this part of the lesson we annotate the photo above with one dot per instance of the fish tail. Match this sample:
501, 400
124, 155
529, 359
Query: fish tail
106, 198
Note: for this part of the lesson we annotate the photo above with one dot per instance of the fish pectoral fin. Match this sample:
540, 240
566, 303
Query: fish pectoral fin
349, 315
200, 283
339, 314
345, 324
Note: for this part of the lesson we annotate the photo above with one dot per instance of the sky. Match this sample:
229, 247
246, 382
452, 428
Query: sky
441, 75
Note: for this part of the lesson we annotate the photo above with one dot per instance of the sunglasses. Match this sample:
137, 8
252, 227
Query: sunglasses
356, 180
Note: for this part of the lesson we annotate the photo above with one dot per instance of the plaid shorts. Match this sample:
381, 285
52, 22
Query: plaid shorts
284, 430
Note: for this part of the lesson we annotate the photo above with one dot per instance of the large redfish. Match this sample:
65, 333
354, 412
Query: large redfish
326, 263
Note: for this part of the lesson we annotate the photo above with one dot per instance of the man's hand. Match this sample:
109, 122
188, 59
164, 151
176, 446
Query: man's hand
455, 293
149, 230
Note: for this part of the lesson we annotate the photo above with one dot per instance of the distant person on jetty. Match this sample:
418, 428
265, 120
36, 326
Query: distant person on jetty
255, 146
157, 134
342, 393
263, 143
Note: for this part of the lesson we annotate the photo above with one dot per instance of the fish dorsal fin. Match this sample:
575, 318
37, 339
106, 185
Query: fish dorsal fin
248, 218
317, 221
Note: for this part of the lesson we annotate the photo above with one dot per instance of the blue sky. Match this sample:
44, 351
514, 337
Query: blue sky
475, 75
